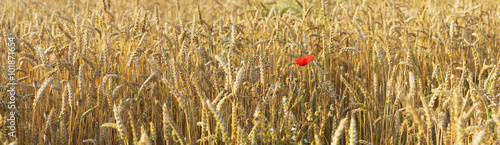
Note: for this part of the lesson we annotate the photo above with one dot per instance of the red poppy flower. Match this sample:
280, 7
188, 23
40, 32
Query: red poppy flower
303, 61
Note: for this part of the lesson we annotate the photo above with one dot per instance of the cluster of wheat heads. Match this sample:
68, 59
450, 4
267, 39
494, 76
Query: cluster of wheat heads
221, 72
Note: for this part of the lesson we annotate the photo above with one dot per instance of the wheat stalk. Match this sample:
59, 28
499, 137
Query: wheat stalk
41, 92
176, 131
338, 132
120, 125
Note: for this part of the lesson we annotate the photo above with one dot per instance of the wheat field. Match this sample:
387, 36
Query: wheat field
137, 72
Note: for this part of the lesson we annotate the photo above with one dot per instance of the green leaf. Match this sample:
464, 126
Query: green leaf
489, 114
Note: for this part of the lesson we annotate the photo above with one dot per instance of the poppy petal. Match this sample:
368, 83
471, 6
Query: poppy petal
302, 61
309, 57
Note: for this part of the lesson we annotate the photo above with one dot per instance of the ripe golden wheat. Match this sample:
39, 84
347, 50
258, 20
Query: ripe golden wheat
221, 72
